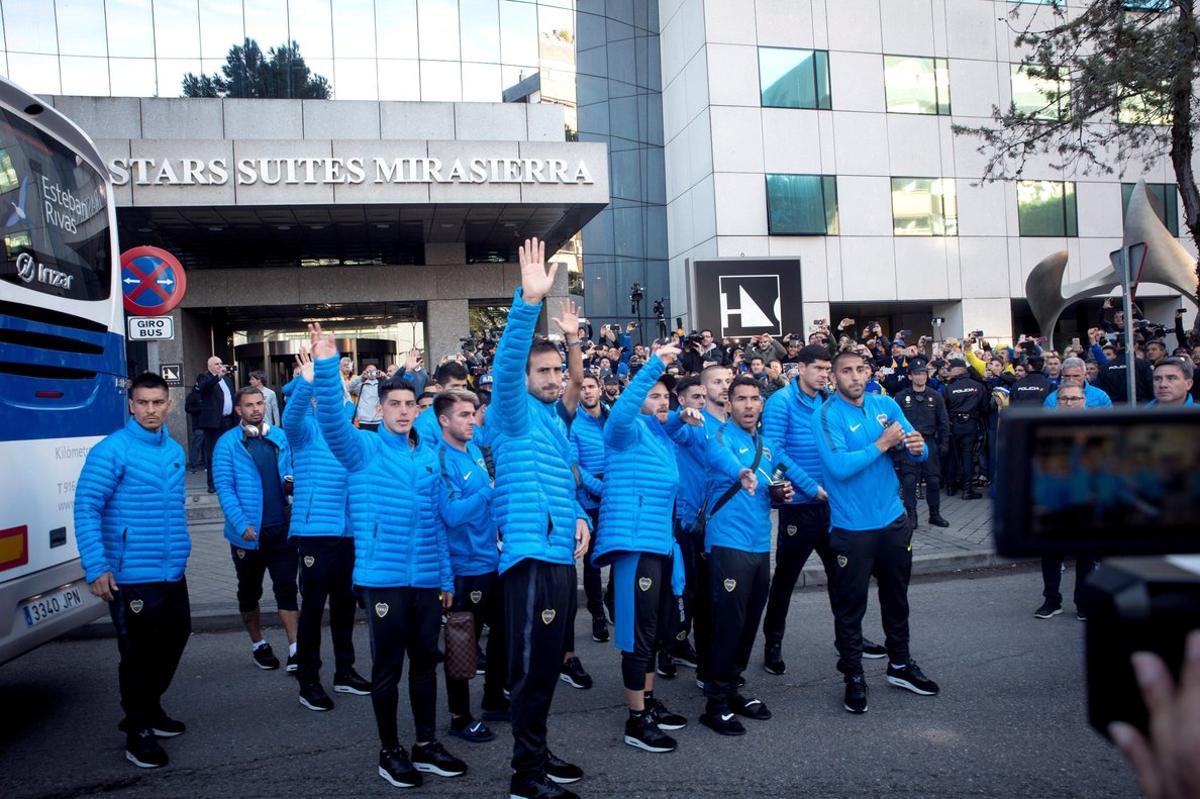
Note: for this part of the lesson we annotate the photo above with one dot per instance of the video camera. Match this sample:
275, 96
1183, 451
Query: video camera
1125, 485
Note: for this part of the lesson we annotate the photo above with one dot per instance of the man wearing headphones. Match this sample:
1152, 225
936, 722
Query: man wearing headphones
252, 472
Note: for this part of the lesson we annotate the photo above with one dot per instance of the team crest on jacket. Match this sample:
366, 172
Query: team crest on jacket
644, 583
881, 418
137, 605
309, 560
730, 584
381, 609
548, 615
241, 554
842, 561
791, 529
476, 596
681, 635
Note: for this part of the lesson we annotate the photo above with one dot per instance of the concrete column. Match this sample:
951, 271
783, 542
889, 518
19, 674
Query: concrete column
811, 313
445, 253
446, 321
993, 316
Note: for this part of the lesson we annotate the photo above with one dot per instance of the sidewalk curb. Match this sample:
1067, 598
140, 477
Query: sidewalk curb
210, 618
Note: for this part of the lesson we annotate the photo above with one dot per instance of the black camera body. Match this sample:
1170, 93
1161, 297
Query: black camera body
1121, 484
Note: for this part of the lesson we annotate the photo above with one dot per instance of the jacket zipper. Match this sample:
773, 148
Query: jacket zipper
124, 546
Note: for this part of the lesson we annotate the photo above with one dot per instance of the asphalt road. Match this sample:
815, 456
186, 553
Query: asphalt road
1009, 723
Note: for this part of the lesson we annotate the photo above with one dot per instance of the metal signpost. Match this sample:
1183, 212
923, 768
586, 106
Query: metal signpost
153, 282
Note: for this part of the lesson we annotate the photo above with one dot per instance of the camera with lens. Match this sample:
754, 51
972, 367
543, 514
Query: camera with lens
1120, 486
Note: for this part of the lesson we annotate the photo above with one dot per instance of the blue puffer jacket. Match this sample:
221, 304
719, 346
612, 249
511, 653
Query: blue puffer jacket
470, 528
693, 469
319, 506
787, 420
239, 485
587, 452
640, 476
129, 508
427, 427
396, 496
534, 503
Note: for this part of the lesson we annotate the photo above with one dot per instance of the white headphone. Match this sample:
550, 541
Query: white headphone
253, 432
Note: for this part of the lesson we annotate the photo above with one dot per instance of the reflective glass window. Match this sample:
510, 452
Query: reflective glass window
924, 207
1039, 97
80, 29
437, 22
1151, 108
518, 33
790, 78
170, 74
84, 75
1047, 208
479, 27
220, 27
355, 79
396, 29
799, 205
132, 77
353, 29
399, 80
1165, 202
177, 29
267, 22
29, 26
35, 72
481, 83
917, 85
130, 25
441, 81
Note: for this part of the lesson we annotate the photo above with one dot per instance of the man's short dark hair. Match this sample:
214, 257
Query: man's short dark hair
589, 376
1180, 364
758, 358
428, 395
1035, 363
611, 381
709, 369
245, 391
691, 381
745, 380
485, 396
259, 375
148, 380
706, 330
811, 353
447, 399
394, 384
450, 370
540, 346
843, 355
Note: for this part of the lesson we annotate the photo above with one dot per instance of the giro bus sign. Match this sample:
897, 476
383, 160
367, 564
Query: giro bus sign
152, 281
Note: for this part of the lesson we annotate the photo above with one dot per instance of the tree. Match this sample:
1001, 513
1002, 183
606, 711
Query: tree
247, 72
1119, 82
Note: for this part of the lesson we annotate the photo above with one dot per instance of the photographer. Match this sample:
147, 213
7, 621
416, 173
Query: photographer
765, 347
365, 388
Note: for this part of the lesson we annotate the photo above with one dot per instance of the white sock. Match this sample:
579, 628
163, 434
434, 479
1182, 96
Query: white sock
292, 649
257, 645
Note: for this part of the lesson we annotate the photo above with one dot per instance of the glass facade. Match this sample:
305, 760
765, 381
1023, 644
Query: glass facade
435, 50
924, 207
1166, 203
791, 78
917, 85
802, 205
1039, 97
1047, 208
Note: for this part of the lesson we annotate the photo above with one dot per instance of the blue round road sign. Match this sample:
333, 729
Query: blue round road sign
152, 281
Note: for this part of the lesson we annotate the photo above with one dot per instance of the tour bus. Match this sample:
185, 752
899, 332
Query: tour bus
62, 360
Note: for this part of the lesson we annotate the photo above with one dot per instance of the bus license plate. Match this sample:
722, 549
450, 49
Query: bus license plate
49, 605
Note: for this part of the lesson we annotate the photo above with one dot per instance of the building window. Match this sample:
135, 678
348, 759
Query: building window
793, 78
802, 205
924, 207
1039, 97
1047, 208
1166, 203
917, 85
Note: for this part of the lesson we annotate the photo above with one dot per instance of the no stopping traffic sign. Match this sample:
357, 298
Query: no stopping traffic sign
152, 281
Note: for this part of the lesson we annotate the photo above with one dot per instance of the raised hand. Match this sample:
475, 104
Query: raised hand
668, 354
321, 343
537, 277
305, 364
568, 319
412, 360
691, 416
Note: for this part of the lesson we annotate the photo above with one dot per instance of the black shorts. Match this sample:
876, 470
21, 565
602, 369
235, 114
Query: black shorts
275, 554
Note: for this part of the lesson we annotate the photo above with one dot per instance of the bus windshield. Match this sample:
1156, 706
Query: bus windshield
53, 216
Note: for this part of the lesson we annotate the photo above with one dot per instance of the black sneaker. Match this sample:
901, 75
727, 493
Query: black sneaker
642, 733
664, 718
264, 658
720, 719
500, 712
292, 666
396, 768
872, 650
537, 786
972, 494
162, 727
911, 678
471, 730
574, 675
683, 654
561, 771
1079, 614
313, 697
434, 759
664, 666
1048, 610
773, 658
752, 708
856, 694
937, 521
600, 632
143, 751
351, 682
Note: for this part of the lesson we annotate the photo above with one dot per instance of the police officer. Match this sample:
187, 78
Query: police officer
1034, 387
966, 403
133, 543
870, 534
252, 470
926, 412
